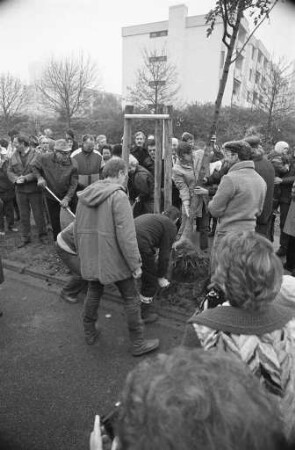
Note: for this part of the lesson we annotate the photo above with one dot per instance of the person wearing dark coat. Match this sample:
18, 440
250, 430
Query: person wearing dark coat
154, 232
284, 166
139, 151
140, 187
7, 195
59, 173
265, 169
289, 229
28, 195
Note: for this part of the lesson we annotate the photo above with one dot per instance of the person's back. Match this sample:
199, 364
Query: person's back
155, 230
240, 196
101, 250
106, 242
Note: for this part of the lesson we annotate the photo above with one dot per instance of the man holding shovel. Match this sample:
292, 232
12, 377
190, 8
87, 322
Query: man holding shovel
57, 172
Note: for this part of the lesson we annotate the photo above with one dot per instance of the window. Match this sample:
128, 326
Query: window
250, 75
153, 59
257, 77
259, 56
239, 62
261, 99
265, 65
255, 97
222, 55
156, 34
263, 81
242, 36
253, 52
249, 97
157, 83
237, 87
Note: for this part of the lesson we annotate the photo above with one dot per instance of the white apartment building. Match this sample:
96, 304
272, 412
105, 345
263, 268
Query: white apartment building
199, 60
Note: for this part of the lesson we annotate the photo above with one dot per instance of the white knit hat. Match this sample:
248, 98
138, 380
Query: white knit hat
286, 296
281, 146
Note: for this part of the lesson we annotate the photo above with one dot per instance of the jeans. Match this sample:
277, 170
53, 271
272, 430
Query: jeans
128, 291
76, 284
7, 210
26, 202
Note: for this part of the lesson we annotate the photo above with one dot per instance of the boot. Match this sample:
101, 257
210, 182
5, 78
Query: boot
148, 313
142, 346
91, 333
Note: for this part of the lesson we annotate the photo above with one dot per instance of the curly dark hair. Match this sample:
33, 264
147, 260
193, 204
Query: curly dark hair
191, 399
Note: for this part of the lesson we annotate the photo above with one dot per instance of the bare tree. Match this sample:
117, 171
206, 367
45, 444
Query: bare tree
12, 97
156, 81
278, 100
64, 83
231, 12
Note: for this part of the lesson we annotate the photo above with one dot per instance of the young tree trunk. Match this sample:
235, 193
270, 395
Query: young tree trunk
225, 72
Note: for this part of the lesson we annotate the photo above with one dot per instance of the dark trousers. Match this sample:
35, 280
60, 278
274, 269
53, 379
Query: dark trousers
27, 202
7, 210
290, 256
202, 224
149, 278
75, 284
284, 238
265, 229
54, 213
128, 291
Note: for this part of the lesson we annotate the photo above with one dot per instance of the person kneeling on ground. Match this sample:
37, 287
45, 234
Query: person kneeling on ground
192, 400
154, 232
67, 251
106, 242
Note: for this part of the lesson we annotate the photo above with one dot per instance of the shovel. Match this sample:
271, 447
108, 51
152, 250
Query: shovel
58, 200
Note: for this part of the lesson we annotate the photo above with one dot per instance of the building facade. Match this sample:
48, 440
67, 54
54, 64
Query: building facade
198, 60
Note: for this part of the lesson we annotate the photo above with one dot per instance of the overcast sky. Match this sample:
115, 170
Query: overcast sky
33, 30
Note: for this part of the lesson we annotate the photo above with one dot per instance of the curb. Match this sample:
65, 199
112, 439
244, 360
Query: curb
111, 294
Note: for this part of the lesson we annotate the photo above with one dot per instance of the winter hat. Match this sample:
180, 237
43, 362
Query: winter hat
241, 148
61, 145
281, 146
253, 141
286, 296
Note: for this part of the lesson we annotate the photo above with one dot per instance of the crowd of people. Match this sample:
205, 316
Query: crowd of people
192, 397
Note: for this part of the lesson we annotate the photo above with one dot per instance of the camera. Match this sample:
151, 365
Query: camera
108, 420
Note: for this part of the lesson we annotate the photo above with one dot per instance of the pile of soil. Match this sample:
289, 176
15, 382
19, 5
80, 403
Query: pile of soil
36, 255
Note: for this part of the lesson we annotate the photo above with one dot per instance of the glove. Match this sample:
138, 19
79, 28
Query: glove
41, 183
137, 273
64, 203
163, 282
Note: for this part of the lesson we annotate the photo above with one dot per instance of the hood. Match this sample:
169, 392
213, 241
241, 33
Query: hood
98, 192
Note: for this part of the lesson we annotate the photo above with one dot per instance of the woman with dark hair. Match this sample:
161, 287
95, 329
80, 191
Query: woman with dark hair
70, 138
250, 326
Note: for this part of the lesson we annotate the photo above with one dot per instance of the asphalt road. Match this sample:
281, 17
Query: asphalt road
52, 383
